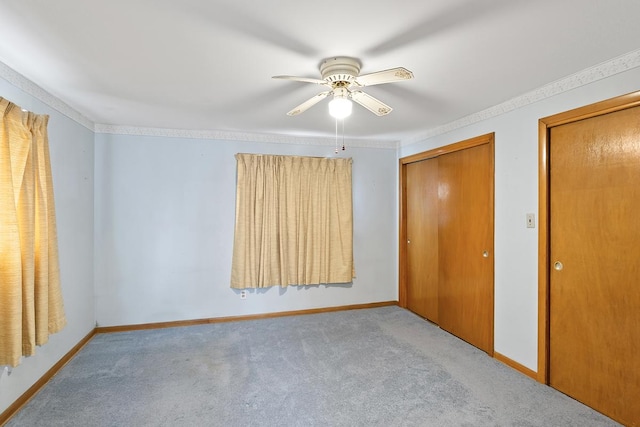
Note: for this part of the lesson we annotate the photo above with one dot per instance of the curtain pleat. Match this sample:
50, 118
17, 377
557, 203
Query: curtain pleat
31, 305
294, 221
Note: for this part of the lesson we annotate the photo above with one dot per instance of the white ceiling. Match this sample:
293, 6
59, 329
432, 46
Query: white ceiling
207, 64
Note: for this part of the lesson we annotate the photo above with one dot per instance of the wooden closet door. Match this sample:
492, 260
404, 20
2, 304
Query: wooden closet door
422, 238
594, 292
465, 241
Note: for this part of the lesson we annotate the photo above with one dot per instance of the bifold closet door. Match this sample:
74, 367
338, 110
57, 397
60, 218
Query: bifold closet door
465, 242
422, 238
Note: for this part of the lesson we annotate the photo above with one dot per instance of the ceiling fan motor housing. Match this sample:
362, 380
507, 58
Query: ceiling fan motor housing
340, 69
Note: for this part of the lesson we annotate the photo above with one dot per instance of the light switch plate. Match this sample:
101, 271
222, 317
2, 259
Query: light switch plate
531, 220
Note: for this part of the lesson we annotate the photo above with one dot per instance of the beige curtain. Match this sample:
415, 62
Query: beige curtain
294, 221
30, 296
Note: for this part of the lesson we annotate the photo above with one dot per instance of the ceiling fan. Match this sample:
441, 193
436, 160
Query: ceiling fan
341, 75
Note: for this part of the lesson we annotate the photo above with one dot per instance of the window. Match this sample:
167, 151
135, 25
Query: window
294, 221
30, 295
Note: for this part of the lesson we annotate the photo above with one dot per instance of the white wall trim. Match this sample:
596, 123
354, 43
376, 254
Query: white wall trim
241, 136
26, 85
581, 78
589, 75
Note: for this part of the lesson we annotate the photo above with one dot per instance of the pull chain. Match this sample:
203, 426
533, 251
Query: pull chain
343, 146
336, 136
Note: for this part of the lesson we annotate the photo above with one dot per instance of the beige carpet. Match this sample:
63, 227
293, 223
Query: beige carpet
374, 367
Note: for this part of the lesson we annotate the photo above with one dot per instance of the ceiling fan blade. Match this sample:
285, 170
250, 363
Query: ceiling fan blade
372, 104
308, 103
387, 76
301, 79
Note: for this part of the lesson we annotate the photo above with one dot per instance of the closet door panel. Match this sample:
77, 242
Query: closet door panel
422, 238
465, 242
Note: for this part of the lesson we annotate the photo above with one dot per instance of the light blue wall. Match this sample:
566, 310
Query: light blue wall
72, 149
516, 194
165, 210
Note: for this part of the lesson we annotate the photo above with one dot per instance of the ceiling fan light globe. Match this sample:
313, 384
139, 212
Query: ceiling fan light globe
340, 108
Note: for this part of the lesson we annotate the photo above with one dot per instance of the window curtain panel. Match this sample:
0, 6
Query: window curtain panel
294, 221
31, 305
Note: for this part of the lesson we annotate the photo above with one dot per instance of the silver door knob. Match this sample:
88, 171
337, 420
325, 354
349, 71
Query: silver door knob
558, 265
485, 254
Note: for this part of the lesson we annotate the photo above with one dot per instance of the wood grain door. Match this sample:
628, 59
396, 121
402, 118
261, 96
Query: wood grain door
465, 241
594, 283
422, 238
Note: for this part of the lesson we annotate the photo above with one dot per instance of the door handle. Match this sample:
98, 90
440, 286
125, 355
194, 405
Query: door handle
558, 266
485, 254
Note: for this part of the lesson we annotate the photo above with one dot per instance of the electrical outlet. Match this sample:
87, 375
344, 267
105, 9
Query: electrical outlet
6, 370
243, 294
531, 220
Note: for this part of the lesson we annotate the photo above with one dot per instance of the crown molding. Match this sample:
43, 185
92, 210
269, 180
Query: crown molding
598, 72
29, 87
240, 136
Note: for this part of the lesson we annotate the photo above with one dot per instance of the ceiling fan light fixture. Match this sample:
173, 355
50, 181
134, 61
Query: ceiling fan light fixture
342, 76
340, 108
